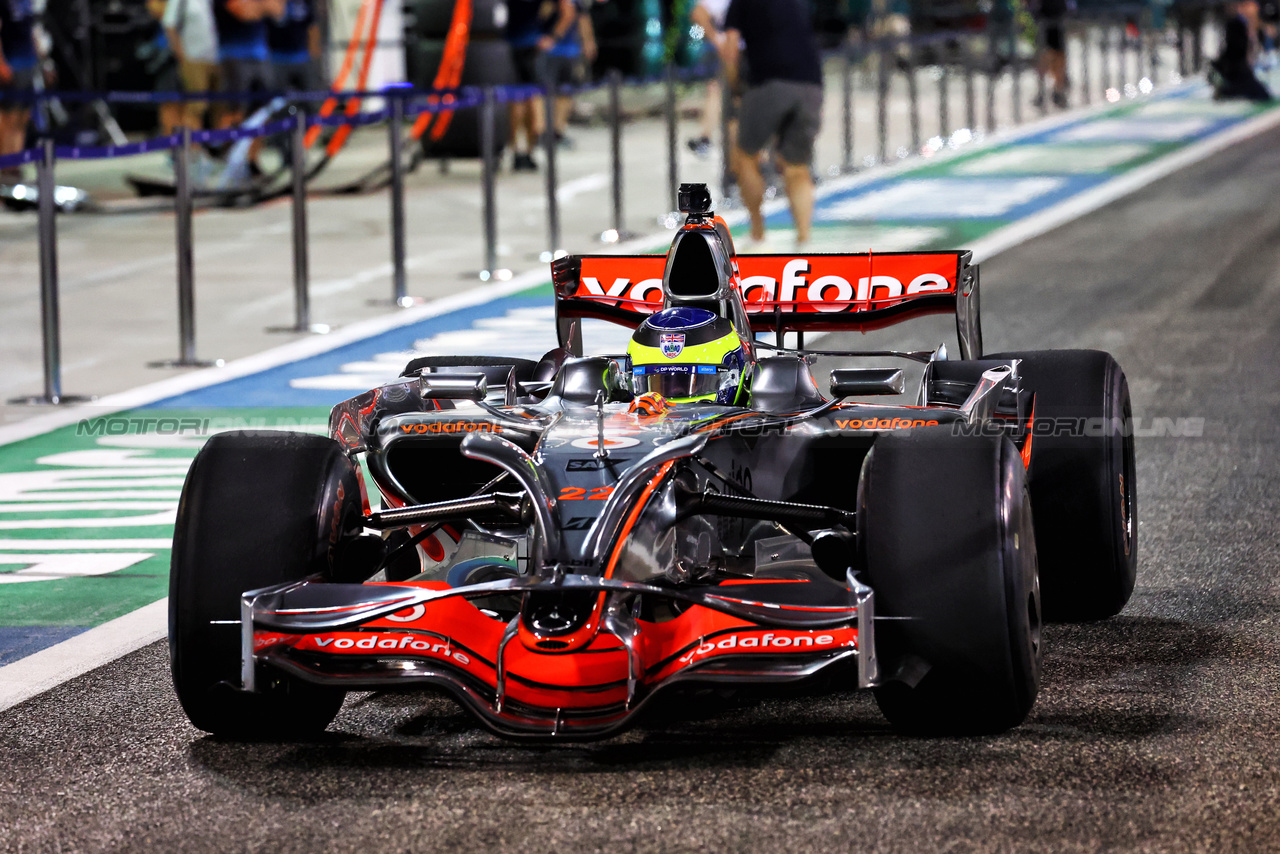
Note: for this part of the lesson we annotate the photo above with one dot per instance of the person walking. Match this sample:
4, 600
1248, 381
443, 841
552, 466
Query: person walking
782, 106
1234, 66
1052, 61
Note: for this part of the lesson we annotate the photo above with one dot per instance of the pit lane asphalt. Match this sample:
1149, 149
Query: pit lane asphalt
1158, 730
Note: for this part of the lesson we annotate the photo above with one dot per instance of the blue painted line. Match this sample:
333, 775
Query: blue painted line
20, 641
271, 388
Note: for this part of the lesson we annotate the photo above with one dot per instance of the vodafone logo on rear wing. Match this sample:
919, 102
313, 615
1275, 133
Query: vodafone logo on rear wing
812, 284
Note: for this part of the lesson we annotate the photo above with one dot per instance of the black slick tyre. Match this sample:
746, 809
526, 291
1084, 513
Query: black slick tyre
257, 509
1082, 481
946, 542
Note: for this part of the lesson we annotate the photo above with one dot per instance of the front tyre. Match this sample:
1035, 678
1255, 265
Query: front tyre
946, 535
257, 509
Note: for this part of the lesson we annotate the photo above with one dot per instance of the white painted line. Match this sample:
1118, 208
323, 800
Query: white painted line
48, 668
1129, 182
86, 545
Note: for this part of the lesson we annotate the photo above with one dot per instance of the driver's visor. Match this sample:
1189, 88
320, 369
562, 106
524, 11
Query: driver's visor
677, 382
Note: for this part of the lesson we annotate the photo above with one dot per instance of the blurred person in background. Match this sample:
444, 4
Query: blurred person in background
782, 106
193, 39
566, 48
709, 15
243, 52
1052, 61
19, 64
526, 115
1234, 77
294, 40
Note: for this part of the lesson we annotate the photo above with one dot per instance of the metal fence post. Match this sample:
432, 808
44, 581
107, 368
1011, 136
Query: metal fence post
395, 140
1015, 68
615, 145
1086, 97
970, 97
882, 104
673, 172
186, 266
1042, 99
50, 323
301, 260
913, 97
46, 186
549, 149
726, 149
993, 73
944, 106
846, 108
488, 166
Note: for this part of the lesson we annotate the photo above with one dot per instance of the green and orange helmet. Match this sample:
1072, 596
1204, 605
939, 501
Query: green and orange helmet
689, 354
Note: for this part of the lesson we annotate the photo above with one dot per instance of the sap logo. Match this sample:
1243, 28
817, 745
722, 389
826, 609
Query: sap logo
637, 293
588, 465
831, 293
579, 523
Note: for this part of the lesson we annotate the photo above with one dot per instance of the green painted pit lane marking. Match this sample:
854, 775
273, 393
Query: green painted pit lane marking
86, 511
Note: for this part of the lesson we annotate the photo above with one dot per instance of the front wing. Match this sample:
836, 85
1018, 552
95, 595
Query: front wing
378, 636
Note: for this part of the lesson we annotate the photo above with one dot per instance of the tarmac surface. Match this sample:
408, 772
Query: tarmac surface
1158, 730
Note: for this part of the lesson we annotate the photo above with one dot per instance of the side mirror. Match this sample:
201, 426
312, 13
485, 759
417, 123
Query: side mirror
855, 382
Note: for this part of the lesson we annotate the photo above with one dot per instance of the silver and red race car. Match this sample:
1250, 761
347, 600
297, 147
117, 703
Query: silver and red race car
558, 542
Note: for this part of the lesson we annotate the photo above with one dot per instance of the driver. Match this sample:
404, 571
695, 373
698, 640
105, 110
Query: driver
687, 354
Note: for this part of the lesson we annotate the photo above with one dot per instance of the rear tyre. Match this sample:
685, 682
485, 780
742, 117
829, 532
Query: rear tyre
1082, 481
945, 534
257, 509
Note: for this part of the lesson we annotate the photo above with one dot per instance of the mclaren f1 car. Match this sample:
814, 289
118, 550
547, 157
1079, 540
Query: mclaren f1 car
557, 542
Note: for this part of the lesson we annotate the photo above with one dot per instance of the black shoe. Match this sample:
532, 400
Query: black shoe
700, 146
523, 163
1060, 100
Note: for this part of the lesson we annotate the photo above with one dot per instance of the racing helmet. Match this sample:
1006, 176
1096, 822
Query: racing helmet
689, 354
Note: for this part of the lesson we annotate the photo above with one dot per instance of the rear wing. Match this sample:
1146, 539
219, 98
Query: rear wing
784, 293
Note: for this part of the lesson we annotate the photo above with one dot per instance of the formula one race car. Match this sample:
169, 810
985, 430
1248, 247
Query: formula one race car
560, 541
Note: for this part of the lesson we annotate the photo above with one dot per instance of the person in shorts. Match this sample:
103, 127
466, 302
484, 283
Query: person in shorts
523, 34
1052, 62
243, 53
782, 105
19, 64
189, 27
566, 41
294, 41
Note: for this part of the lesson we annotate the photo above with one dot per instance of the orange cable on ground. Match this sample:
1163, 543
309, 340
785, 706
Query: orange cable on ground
449, 74
348, 62
353, 106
